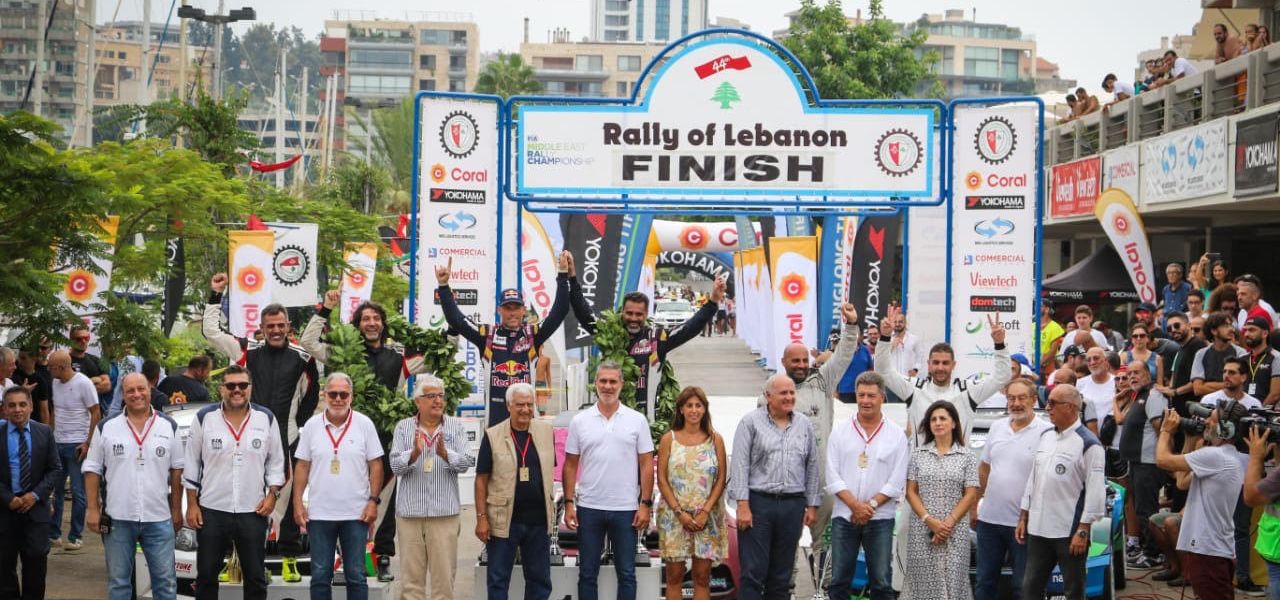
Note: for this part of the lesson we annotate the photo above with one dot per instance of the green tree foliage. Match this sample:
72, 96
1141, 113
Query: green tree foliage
871, 60
506, 77
392, 145
251, 59
612, 339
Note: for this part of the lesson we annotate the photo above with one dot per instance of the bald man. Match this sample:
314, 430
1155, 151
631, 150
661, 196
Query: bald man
74, 416
814, 391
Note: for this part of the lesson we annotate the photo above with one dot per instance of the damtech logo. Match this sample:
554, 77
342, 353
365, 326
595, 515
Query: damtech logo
993, 303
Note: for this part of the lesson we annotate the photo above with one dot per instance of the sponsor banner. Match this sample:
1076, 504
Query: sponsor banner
737, 130
746, 232
1188, 163
1074, 188
794, 267
763, 318
594, 242
293, 263
749, 305
994, 230
1119, 219
1120, 169
633, 252
697, 237
875, 260
648, 276
538, 270
1256, 155
458, 216
251, 280
833, 269
357, 280
175, 280
84, 289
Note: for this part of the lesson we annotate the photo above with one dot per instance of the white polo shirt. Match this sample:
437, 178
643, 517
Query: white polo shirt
71, 403
1101, 396
609, 474
137, 476
1068, 467
1011, 455
885, 473
339, 496
232, 475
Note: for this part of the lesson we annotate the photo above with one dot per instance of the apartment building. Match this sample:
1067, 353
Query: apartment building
646, 20
62, 97
588, 69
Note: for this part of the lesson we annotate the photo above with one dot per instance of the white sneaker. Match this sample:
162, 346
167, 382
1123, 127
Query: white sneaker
55, 544
72, 547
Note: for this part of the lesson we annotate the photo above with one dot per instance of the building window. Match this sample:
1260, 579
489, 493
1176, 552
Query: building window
381, 59
662, 20
640, 21
442, 37
553, 87
427, 62
457, 85
163, 58
617, 6
458, 37
388, 85
588, 62
616, 20
622, 89
684, 17
628, 63
123, 55
614, 35
1009, 64
64, 68
458, 62
981, 62
426, 85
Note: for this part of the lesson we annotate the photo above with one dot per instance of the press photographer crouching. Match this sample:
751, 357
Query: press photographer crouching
1207, 537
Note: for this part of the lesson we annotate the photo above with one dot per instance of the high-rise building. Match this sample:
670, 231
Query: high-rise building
646, 20
382, 61
121, 74
63, 95
590, 69
978, 59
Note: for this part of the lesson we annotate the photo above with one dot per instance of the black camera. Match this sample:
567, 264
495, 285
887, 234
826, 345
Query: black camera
1234, 420
1264, 419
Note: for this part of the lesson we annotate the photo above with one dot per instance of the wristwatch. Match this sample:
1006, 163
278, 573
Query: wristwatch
276, 494
647, 502
1081, 533
375, 499
873, 504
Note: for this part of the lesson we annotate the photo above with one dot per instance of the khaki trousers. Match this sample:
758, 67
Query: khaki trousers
428, 545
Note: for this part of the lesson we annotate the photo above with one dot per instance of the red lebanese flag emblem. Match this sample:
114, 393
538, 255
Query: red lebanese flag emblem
894, 152
991, 139
455, 130
722, 63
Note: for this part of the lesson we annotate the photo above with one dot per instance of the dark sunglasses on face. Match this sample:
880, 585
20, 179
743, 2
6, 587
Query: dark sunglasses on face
1196, 329
237, 385
81, 338
337, 395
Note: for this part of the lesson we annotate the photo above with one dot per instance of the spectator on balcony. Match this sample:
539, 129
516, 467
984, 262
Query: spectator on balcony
1177, 68
1085, 103
1074, 104
1228, 46
1123, 90
1250, 37
1155, 72
1264, 37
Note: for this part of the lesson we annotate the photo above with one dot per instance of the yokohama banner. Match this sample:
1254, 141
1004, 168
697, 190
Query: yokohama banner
84, 289
875, 261
251, 279
993, 231
794, 267
1256, 155
1074, 189
357, 282
594, 241
293, 263
1119, 218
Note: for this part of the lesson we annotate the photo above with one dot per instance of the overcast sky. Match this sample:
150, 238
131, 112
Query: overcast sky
1087, 38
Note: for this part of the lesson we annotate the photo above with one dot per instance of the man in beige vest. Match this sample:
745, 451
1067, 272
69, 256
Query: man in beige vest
514, 478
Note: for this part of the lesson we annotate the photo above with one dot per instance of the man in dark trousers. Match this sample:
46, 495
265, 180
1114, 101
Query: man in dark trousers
648, 345
29, 466
510, 346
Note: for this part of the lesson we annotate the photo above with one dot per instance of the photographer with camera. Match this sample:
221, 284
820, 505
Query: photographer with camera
1265, 492
1216, 475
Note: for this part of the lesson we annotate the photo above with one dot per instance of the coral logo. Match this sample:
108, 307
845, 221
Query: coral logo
437, 173
793, 288
693, 237
250, 279
357, 278
1122, 224
973, 180
80, 286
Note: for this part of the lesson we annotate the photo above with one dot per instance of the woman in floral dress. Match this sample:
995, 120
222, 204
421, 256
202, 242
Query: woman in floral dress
942, 485
691, 476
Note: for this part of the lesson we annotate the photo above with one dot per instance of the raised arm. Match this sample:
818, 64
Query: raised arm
222, 341
449, 306
578, 302
896, 382
1000, 371
310, 338
832, 370
559, 306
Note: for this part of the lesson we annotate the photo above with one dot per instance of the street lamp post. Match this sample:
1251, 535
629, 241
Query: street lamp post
218, 21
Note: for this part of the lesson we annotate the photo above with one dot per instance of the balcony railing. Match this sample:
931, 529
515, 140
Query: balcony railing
1230, 88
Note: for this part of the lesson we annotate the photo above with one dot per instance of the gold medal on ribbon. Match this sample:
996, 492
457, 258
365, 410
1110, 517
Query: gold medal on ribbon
334, 466
862, 460
524, 473
427, 463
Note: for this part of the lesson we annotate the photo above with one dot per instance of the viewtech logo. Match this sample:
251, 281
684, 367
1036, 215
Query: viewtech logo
995, 202
461, 297
993, 303
454, 196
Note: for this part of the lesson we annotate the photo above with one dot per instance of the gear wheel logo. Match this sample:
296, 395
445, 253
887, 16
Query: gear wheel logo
291, 265
995, 140
458, 134
898, 152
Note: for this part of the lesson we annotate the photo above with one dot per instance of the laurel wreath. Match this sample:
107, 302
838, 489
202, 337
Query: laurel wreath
384, 407
613, 340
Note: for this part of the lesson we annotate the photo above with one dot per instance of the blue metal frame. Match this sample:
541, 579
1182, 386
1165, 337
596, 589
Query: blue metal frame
1039, 201
796, 68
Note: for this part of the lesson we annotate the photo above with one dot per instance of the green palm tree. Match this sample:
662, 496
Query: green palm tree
507, 76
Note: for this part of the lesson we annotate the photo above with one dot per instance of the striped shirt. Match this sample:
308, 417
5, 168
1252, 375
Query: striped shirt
774, 460
433, 494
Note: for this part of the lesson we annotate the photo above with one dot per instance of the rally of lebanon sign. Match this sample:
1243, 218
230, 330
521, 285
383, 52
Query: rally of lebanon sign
1256, 155
1188, 163
1119, 219
795, 297
1120, 170
724, 116
251, 280
458, 213
1074, 188
993, 231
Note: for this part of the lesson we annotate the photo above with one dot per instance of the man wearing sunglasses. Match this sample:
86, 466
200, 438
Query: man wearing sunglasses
233, 475
90, 365
285, 382
35, 377
1180, 389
